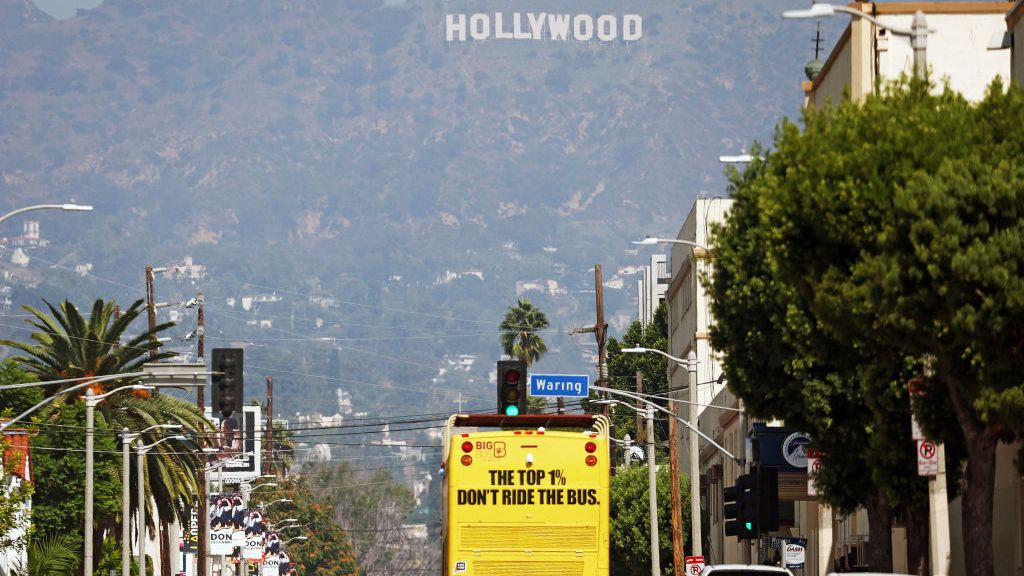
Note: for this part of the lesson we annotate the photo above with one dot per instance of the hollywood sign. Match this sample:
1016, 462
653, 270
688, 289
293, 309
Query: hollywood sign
543, 26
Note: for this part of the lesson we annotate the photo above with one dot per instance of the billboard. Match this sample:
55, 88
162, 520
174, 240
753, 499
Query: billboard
239, 438
227, 518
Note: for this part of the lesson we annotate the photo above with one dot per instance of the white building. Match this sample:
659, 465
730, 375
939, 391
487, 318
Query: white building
651, 287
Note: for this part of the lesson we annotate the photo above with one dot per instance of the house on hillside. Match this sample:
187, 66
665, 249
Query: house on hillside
17, 470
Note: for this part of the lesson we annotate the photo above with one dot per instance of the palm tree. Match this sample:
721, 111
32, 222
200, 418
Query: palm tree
69, 346
519, 337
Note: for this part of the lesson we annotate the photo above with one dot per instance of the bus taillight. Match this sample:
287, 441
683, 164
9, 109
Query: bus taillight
467, 459
467, 446
590, 447
591, 460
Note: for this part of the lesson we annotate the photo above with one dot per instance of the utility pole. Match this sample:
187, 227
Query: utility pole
599, 333
201, 501
268, 465
677, 505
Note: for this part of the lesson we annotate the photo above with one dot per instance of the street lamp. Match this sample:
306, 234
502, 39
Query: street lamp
65, 207
696, 543
652, 480
652, 240
299, 538
918, 31
126, 439
279, 500
56, 395
140, 513
140, 518
91, 401
267, 485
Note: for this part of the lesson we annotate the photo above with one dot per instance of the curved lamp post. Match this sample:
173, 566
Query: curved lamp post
299, 538
652, 240
141, 513
690, 363
91, 400
126, 440
279, 500
65, 207
918, 31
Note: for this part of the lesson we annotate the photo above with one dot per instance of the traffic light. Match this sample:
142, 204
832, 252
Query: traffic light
228, 387
765, 512
736, 510
512, 387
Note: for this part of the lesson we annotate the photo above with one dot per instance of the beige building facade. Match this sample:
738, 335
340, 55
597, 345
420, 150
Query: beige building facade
866, 56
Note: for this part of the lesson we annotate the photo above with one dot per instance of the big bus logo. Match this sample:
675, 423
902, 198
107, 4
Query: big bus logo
497, 448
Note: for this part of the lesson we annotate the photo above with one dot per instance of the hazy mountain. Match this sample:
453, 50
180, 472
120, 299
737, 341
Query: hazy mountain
393, 185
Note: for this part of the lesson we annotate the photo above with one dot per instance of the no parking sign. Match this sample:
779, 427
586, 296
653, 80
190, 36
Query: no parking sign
694, 565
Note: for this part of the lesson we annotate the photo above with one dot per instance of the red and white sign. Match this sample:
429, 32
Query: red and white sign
927, 458
813, 466
694, 565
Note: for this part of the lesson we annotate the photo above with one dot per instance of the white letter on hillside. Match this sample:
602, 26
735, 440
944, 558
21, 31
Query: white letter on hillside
480, 26
607, 27
632, 27
536, 24
455, 24
559, 26
583, 27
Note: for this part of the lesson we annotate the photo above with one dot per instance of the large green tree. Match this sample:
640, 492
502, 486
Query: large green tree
68, 345
630, 526
881, 240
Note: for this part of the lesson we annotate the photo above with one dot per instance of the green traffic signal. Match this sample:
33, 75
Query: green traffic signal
512, 410
749, 526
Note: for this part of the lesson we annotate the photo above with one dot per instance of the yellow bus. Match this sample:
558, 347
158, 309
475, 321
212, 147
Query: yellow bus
529, 499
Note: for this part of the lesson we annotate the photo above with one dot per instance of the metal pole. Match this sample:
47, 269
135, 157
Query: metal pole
126, 522
919, 41
677, 504
140, 516
150, 308
652, 489
745, 466
695, 529
90, 408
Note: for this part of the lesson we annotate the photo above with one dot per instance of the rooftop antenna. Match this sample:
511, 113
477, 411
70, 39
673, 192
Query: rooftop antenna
817, 42
815, 66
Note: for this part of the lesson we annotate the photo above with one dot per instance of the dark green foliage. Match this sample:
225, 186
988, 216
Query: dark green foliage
880, 242
630, 552
59, 464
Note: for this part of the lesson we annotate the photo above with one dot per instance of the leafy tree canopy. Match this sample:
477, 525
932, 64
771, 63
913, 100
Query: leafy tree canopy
630, 553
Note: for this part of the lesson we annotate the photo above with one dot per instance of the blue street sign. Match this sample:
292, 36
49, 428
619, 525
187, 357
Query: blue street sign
559, 385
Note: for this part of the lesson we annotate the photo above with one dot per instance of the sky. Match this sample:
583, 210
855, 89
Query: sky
65, 8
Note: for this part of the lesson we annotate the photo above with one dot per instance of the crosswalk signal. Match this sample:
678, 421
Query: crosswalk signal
512, 399
226, 380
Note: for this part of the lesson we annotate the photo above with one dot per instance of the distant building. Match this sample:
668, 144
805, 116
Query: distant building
651, 287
